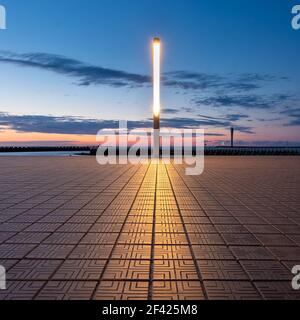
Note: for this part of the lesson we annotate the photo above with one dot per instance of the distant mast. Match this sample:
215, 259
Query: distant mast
232, 134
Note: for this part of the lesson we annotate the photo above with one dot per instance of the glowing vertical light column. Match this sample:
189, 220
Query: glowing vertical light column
156, 97
156, 77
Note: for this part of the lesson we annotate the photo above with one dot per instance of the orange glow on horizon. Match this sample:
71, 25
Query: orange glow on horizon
10, 137
13, 138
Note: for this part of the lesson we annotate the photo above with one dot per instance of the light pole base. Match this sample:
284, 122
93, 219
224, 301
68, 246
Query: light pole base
156, 144
156, 137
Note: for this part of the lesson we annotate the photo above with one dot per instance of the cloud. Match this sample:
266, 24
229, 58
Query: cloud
258, 77
206, 82
244, 101
243, 129
238, 83
293, 123
86, 74
230, 117
191, 80
236, 116
293, 113
61, 125
180, 122
214, 134
171, 111
79, 125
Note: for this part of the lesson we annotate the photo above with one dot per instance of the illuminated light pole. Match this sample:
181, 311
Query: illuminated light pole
156, 97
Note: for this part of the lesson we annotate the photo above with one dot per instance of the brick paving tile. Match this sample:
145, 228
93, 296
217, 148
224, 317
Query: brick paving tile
71, 229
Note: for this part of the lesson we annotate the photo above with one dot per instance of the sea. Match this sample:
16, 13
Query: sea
44, 154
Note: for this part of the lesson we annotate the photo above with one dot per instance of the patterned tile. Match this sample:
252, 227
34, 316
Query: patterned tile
67, 290
127, 269
70, 229
175, 270
221, 270
122, 290
231, 290
177, 290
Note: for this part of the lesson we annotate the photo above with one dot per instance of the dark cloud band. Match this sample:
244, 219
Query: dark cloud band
87, 74
77, 125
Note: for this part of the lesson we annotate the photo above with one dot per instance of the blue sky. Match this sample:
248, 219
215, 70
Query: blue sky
225, 63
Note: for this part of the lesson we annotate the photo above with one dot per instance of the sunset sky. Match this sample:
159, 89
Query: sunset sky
72, 67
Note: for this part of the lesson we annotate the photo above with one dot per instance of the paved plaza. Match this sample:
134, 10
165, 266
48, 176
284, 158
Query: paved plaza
72, 229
